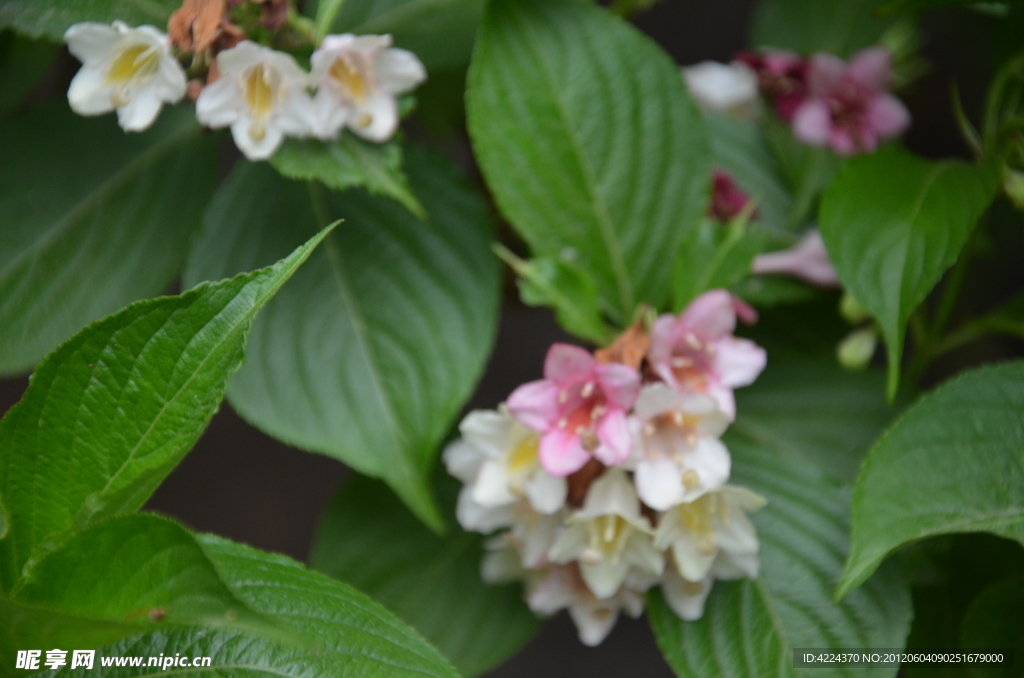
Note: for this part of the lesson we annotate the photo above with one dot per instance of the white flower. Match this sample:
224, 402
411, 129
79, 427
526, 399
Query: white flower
128, 69
609, 536
712, 535
722, 87
358, 78
686, 598
497, 459
561, 586
677, 454
261, 94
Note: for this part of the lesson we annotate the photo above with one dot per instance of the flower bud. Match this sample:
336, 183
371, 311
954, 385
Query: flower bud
855, 351
852, 310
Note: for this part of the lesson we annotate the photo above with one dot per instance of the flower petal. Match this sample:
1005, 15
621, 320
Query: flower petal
89, 93
398, 70
888, 116
561, 453
462, 460
616, 440
807, 260
593, 623
546, 492
684, 597
535, 404
476, 518
709, 316
376, 120
812, 122
620, 383
871, 67
604, 578
659, 483
738, 362
253, 146
566, 364
826, 72
710, 461
140, 111
491, 485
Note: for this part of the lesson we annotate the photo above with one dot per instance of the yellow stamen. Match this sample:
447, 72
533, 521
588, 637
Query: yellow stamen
134, 62
524, 454
260, 89
347, 73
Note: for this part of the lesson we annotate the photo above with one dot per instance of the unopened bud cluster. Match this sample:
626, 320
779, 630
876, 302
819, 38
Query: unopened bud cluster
609, 477
262, 94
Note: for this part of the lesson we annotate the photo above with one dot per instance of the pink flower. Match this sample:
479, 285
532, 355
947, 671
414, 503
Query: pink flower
727, 198
781, 76
580, 409
848, 107
696, 352
807, 260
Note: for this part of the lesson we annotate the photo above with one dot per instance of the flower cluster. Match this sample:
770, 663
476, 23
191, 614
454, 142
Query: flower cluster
826, 100
608, 476
262, 94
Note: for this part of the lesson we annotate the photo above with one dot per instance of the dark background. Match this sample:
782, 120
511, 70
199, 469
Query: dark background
243, 485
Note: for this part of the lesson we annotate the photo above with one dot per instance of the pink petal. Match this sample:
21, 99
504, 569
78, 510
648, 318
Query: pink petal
871, 67
807, 260
780, 62
561, 453
843, 143
738, 361
661, 338
568, 364
711, 315
825, 73
535, 404
888, 116
616, 441
620, 383
724, 397
744, 311
812, 122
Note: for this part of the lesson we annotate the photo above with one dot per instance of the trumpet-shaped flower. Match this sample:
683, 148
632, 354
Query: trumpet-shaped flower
781, 77
561, 586
678, 456
722, 87
497, 457
128, 69
848, 107
261, 94
531, 535
807, 260
686, 598
696, 352
609, 536
358, 80
712, 535
579, 408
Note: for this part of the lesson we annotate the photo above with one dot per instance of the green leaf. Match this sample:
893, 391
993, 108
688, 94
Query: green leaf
750, 627
809, 409
996, 620
740, 148
123, 568
439, 32
954, 462
713, 256
369, 540
93, 219
349, 162
591, 144
369, 353
768, 291
807, 26
23, 63
806, 170
893, 223
114, 409
344, 632
50, 18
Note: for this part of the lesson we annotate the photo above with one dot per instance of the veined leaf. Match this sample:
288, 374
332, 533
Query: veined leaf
349, 162
893, 223
369, 353
50, 18
954, 462
93, 219
715, 255
750, 628
369, 540
591, 144
111, 412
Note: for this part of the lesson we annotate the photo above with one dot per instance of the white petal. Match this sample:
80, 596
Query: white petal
251, 146
612, 494
476, 518
659, 483
604, 578
329, 113
462, 460
691, 563
491, 485
376, 120
686, 598
140, 111
569, 544
398, 70
640, 553
490, 431
89, 93
92, 42
593, 623
721, 87
546, 492
551, 593
657, 399
735, 566
219, 104
710, 461
536, 537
